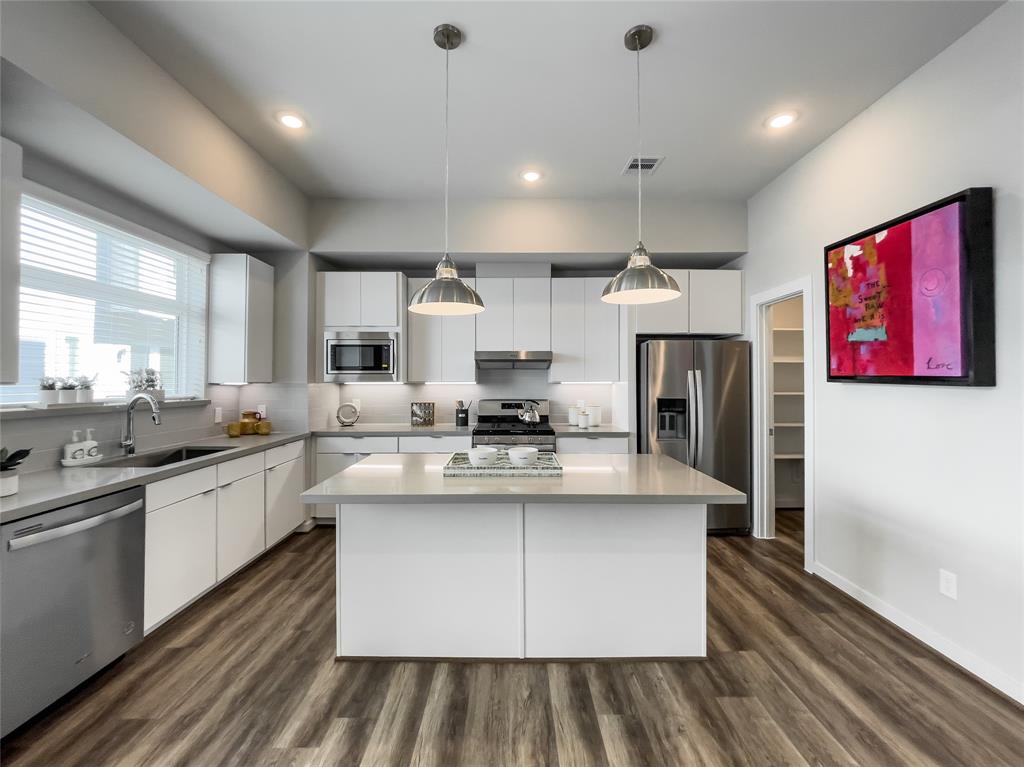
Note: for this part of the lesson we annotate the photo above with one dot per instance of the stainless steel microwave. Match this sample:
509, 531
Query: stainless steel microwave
354, 356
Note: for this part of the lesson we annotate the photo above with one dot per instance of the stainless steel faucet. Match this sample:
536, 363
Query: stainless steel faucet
128, 432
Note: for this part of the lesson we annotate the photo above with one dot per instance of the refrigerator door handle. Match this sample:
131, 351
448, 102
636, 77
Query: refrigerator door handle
691, 419
699, 386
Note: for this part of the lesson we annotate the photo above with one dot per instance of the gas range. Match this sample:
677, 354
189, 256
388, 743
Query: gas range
498, 425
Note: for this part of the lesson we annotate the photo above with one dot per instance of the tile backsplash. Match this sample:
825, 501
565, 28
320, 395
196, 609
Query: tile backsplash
47, 435
389, 403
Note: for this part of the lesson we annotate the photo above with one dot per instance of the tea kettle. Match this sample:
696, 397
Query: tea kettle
530, 414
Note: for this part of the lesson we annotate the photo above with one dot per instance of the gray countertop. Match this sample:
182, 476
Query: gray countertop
45, 490
394, 430
604, 430
451, 430
417, 478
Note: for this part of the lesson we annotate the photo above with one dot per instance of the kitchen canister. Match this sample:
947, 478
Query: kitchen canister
583, 420
595, 414
574, 416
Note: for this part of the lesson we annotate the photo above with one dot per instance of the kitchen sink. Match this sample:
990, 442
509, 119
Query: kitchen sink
158, 458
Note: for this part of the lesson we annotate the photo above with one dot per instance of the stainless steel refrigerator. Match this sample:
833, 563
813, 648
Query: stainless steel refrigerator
694, 405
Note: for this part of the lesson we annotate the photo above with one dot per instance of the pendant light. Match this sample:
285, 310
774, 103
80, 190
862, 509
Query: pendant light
641, 282
446, 294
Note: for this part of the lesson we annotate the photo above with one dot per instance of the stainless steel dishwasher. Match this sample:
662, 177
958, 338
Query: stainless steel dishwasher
71, 591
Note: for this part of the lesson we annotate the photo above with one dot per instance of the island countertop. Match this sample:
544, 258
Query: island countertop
418, 478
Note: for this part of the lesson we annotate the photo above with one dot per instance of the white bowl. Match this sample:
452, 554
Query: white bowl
522, 456
483, 456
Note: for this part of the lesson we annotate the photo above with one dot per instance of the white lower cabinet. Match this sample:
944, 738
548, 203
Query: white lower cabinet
327, 465
241, 527
434, 444
181, 555
285, 483
592, 444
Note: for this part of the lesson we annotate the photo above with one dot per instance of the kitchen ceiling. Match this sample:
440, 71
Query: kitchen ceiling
538, 85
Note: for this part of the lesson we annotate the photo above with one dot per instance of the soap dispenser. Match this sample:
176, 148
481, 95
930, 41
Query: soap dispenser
73, 450
90, 445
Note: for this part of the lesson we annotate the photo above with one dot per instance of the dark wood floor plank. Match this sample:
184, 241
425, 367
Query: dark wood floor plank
796, 672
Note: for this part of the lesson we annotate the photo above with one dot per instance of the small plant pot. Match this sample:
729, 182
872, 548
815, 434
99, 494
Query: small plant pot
67, 396
8, 482
157, 394
49, 396
85, 395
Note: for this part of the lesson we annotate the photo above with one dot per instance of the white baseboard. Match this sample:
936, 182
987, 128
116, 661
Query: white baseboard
967, 660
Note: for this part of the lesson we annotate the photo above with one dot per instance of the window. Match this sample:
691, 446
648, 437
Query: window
98, 301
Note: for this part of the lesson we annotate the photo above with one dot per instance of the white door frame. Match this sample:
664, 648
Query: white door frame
763, 513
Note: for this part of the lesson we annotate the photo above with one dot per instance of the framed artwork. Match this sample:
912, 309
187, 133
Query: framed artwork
911, 301
422, 413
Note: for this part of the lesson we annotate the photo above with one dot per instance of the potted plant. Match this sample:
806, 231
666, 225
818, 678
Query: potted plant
48, 391
145, 380
9, 470
85, 384
67, 391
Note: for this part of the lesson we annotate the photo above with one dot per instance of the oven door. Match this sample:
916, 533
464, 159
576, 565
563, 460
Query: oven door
360, 357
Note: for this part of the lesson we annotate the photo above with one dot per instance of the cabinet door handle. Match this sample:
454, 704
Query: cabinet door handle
212, 490
227, 484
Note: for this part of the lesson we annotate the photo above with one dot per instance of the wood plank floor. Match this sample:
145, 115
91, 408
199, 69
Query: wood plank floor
797, 674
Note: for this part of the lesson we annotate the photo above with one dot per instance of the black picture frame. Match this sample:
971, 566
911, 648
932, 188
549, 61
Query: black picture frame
977, 283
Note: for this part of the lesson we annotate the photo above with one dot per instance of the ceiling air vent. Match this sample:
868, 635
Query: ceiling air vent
647, 164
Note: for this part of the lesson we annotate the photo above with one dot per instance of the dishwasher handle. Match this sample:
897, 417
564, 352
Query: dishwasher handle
75, 527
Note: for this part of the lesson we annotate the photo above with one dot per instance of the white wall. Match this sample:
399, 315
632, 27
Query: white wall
521, 226
909, 479
71, 48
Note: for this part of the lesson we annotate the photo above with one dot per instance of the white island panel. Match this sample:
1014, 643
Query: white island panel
430, 580
614, 581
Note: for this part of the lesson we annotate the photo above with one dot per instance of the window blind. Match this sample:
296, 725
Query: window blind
98, 301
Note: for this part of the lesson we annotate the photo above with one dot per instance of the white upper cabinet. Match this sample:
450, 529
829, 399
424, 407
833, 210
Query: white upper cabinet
241, 319
360, 299
425, 337
516, 315
716, 301
458, 362
440, 349
339, 299
531, 313
584, 331
601, 343
568, 329
711, 304
494, 323
10, 258
668, 316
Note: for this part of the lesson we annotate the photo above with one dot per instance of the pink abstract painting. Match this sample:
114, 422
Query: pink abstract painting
895, 300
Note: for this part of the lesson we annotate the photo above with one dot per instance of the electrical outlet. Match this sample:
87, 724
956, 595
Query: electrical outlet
262, 410
947, 583
218, 415
358, 403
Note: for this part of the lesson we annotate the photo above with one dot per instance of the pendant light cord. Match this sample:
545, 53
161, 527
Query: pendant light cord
639, 153
447, 52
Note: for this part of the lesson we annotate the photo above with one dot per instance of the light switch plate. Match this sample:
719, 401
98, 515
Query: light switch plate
947, 583
262, 410
218, 415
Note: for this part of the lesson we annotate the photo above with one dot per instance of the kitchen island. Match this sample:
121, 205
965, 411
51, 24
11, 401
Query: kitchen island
605, 561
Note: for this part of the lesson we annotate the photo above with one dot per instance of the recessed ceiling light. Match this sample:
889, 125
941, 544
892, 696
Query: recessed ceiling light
291, 120
782, 120
529, 176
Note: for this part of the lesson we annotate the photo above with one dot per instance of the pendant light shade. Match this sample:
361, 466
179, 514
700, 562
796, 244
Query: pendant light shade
641, 282
446, 294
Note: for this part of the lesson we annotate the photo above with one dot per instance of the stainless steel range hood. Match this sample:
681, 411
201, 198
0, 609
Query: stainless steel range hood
510, 360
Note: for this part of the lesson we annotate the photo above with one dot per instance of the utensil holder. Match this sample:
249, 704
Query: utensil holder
462, 417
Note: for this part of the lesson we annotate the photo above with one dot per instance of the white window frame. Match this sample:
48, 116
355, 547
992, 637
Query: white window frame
52, 196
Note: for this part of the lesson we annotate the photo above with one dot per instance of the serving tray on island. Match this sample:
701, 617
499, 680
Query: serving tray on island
547, 465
